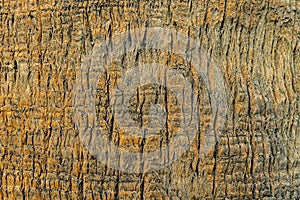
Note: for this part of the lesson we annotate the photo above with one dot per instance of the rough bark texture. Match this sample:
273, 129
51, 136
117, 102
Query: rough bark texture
255, 43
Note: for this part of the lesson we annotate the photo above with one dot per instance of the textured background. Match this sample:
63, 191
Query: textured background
255, 43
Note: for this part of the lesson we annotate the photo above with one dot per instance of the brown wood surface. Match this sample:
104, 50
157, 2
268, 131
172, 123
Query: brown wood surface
256, 45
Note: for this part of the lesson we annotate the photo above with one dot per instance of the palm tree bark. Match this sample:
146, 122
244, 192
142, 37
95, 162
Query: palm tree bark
255, 44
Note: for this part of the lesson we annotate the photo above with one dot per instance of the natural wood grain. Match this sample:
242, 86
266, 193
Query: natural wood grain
256, 45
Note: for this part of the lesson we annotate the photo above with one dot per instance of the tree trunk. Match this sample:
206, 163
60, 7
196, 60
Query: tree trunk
256, 46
